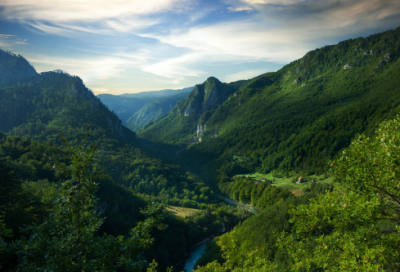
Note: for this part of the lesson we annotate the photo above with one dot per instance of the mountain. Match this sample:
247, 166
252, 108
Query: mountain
291, 121
14, 68
153, 110
159, 94
186, 120
52, 102
34, 108
124, 107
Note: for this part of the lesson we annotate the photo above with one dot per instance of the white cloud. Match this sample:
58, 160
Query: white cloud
176, 68
238, 9
89, 69
83, 10
275, 2
245, 75
4, 36
66, 15
237, 41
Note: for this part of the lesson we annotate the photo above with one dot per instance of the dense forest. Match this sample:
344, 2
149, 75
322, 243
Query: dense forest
37, 111
81, 192
293, 121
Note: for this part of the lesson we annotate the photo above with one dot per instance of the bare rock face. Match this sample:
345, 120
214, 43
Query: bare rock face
347, 66
200, 129
204, 97
366, 53
297, 80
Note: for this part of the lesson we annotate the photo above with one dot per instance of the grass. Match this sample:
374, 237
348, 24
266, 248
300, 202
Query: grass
286, 183
181, 211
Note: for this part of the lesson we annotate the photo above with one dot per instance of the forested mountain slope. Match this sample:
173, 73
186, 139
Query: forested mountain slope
14, 68
186, 120
42, 106
153, 110
34, 108
296, 119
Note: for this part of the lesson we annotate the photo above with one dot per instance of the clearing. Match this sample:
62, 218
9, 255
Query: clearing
181, 211
286, 183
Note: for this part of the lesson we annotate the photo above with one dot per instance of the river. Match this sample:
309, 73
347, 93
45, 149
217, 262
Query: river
198, 250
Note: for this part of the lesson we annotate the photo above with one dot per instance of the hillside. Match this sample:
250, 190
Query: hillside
294, 120
127, 106
124, 107
34, 109
14, 68
186, 120
153, 110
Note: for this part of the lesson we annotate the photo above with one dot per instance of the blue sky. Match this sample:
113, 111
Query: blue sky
124, 46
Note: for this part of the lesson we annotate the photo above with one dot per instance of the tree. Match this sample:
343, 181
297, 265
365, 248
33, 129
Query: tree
356, 226
237, 258
67, 240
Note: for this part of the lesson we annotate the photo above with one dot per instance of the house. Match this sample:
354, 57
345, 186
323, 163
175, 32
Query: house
301, 180
255, 182
263, 179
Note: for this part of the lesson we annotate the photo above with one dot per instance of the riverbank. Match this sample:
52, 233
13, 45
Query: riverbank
252, 209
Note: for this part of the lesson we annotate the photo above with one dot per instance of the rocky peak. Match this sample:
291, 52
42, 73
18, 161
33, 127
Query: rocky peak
207, 96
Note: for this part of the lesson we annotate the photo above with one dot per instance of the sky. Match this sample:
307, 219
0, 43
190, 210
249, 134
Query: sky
128, 46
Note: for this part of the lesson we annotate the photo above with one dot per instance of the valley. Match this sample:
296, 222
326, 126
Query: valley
293, 170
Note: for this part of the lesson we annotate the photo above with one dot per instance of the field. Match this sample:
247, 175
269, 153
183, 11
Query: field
287, 182
181, 211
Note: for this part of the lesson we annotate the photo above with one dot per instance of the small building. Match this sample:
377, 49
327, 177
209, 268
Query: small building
301, 180
263, 179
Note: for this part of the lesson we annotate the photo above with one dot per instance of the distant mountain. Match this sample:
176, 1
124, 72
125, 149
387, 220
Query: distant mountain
159, 94
186, 120
153, 110
124, 107
291, 121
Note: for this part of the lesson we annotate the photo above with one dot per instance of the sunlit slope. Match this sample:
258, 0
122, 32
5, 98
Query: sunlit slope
298, 118
181, 124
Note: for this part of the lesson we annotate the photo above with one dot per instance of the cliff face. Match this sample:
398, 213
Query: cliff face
205, 97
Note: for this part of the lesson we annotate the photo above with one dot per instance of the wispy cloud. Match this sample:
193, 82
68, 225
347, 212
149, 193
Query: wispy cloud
20, 41
238, 9
4, 36
176, 68
122, 15
245, 75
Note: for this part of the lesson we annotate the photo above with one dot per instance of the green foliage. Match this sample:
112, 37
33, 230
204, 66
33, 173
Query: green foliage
66, 241
211, 253
257, 236
281, 125
356, 226
179, 126
260, 195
